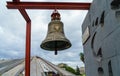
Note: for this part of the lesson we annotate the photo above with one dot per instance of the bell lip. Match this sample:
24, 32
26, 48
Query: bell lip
48, 49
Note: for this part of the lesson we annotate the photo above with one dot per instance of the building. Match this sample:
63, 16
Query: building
61, 65
82, 70
101, 38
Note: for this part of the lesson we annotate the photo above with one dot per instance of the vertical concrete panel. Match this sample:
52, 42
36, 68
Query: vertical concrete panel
105, 67
107, 38
118, 64
115, 66
117, 44
117, 40
90, 65
108, 47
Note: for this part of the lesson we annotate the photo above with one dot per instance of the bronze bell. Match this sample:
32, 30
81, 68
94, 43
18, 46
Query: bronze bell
55, 39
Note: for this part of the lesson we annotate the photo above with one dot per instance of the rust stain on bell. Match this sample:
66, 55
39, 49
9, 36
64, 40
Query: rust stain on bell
55, 39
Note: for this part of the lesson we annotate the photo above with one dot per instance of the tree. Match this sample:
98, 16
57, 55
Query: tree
77, 71
67, 68
70, 69
82, 57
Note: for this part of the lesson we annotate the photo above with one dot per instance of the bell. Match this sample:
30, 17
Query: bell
55, 39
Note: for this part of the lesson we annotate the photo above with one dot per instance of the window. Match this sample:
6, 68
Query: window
102, 18
110, 69
92, 41
86, 35
115, 4
99, 55
100, 71
96, 22
93, 24
117, 14
99, 52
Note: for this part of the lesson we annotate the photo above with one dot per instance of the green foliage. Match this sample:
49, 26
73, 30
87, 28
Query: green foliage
77, 71
83, 75
82, 57
67, 68
62, 65
70, 69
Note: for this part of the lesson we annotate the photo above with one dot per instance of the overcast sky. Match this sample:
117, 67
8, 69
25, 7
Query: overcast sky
13, 32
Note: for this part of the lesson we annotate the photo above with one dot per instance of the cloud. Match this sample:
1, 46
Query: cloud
13, 31
11, 46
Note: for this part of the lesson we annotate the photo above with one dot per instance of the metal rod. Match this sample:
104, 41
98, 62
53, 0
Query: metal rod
48, 5
28, 49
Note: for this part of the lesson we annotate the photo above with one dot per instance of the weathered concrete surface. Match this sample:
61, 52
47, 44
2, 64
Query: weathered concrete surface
102, 48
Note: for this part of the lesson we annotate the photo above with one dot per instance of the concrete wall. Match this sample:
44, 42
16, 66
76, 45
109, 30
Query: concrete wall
104, 28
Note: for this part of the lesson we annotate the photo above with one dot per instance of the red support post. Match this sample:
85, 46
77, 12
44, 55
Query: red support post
28, 39
28, 49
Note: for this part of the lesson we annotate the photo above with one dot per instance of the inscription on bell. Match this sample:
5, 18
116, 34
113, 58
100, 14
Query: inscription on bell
57, 27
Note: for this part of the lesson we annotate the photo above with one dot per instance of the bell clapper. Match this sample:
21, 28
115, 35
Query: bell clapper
55, 47
55, 51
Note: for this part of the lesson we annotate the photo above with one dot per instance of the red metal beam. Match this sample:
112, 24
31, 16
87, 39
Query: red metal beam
49, 5
28, 49
28, 39
16, 0
25, 15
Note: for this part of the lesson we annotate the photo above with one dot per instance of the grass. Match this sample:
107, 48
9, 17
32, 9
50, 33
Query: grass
83, 75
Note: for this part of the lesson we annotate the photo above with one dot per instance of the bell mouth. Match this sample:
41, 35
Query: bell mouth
57, 44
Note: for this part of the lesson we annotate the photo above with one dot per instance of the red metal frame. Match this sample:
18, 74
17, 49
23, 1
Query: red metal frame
21, 6
48, 5
28, 49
